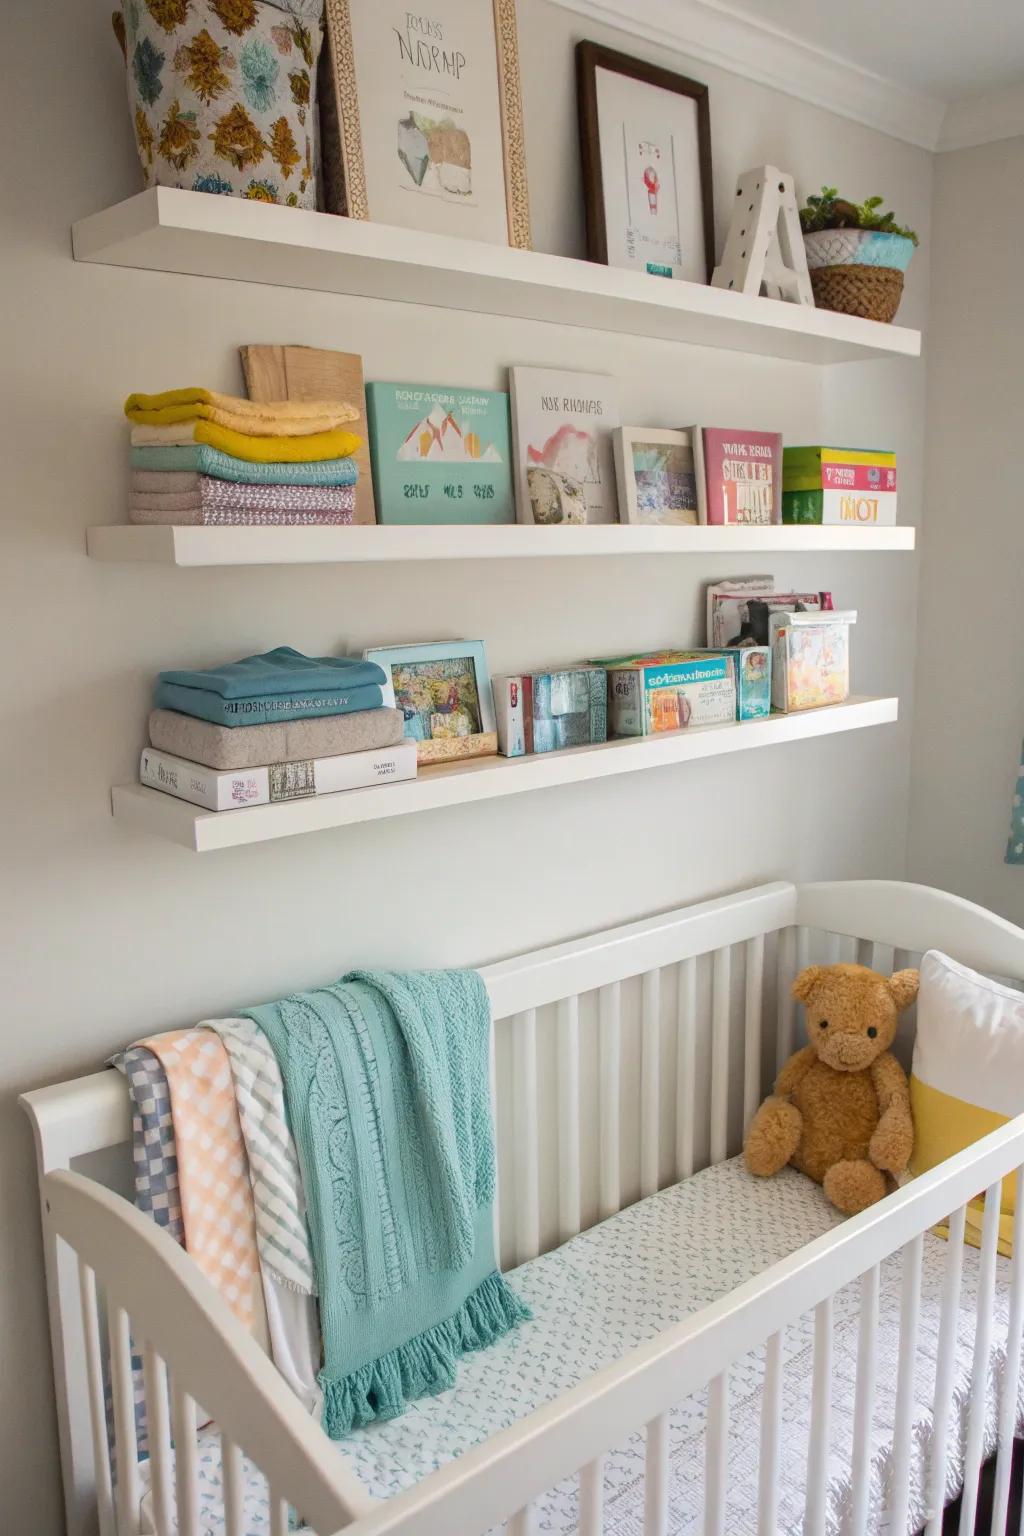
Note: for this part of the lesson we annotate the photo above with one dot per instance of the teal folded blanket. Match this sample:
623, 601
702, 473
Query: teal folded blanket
386, 1082
282, 670
266, 708
200, 458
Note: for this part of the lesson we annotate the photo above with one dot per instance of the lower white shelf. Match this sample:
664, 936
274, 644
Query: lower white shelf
149, 810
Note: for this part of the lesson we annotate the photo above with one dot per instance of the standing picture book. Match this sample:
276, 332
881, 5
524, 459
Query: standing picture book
839, 485
562, 425
739, 611
743, 476
440, 455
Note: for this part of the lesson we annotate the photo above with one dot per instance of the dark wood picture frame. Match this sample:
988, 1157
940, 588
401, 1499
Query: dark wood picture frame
593, 56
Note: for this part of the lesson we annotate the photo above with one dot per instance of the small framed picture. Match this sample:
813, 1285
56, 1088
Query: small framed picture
659, 475
645, 137
444, 692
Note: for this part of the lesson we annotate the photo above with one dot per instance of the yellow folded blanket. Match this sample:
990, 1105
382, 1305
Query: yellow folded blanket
258, 418
306, 448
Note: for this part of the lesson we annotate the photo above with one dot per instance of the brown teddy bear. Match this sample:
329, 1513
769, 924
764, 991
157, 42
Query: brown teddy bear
841, 1107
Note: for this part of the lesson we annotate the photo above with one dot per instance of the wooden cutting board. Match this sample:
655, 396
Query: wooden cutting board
310, 373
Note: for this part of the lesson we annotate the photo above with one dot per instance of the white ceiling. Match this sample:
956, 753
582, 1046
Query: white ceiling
944, 48
943, 74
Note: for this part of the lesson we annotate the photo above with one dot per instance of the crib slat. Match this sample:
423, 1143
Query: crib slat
158, 1428
768, 1460
97, 1405
183, 1414
910, 1307
234, 1487
122, 1385
803, 949
686, 1066
610, 1195
522, 1522
524, 1049
946, 1358
592, 1498
568, 1118
720, 999
785, 1007
821, 1421
866, 954
752, 1027
650, 1085
1011, 1381
656, 1469
982, 1351
278, 1515
716, 1456
864, 1398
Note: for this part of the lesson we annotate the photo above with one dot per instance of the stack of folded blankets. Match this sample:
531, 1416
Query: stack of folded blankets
279, 726
200, 457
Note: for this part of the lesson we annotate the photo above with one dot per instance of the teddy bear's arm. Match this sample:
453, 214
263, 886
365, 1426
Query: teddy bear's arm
795, 1070
893, 1140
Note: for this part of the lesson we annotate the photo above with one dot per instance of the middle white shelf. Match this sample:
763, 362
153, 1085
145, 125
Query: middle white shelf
366, 545
488, 778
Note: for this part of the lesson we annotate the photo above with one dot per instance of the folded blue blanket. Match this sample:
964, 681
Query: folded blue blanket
386, 1082
200, 458
282, 670
266, 708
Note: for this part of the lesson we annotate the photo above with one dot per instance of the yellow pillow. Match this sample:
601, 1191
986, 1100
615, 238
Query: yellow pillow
968, 1072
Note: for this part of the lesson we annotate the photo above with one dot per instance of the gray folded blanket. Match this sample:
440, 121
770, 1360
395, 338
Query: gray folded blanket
286, 741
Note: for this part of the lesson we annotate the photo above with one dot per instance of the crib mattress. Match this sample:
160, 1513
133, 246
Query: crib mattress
623, 1282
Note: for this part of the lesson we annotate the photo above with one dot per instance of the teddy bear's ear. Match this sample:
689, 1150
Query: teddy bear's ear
807, 981
903, 988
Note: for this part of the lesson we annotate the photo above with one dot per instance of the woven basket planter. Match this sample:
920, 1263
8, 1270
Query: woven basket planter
858, 271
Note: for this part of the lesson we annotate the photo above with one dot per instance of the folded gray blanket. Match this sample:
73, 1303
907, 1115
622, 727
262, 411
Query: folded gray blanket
288, 741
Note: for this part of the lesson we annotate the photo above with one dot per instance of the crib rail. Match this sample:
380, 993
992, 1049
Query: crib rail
500, 1480
195, 1351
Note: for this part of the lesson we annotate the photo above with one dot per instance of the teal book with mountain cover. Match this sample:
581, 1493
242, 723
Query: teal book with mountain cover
440, 455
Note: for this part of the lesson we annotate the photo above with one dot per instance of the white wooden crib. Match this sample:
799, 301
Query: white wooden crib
848, 1382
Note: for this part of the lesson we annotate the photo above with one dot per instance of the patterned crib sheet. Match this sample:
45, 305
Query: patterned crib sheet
622, 1283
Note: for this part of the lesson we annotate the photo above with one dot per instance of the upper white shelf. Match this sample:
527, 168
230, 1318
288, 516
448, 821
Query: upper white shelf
167, 230
362, 545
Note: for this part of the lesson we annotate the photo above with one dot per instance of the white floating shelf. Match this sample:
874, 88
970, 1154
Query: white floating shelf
362, 545
167, 230
149, 810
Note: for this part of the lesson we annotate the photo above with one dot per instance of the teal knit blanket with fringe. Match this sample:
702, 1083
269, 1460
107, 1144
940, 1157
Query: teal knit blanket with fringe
386, 1082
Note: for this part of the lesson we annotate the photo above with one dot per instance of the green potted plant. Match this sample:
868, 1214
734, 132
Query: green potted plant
856, 255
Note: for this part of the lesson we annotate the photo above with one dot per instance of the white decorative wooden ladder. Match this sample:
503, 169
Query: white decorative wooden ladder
764, 251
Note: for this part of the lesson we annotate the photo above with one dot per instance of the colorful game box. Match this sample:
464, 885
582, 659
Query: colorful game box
752, 675
839, 485
668, 691
810, 659
546, 711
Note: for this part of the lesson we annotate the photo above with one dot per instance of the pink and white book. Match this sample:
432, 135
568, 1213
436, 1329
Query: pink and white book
742, 476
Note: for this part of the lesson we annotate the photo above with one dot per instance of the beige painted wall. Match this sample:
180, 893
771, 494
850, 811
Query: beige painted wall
970, 699
107, 935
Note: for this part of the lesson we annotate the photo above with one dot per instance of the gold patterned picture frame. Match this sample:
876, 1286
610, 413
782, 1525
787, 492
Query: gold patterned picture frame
342, 158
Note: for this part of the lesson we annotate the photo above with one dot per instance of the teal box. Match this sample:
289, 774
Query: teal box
440, 455
752, 673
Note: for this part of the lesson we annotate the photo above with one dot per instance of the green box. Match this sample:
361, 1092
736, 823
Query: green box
440, 455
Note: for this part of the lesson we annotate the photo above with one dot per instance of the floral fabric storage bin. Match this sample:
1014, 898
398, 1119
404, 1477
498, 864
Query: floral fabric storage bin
223, 95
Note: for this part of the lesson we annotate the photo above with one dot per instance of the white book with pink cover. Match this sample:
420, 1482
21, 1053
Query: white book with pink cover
562, 423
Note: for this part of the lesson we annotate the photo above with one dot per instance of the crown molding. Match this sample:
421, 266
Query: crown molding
983, 119
714, 34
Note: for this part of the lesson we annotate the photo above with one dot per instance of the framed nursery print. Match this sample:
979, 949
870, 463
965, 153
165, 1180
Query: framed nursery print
645, 138
444, 692
422, 119
660, 475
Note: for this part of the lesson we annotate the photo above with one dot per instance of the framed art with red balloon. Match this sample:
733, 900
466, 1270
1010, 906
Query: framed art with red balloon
645, 137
